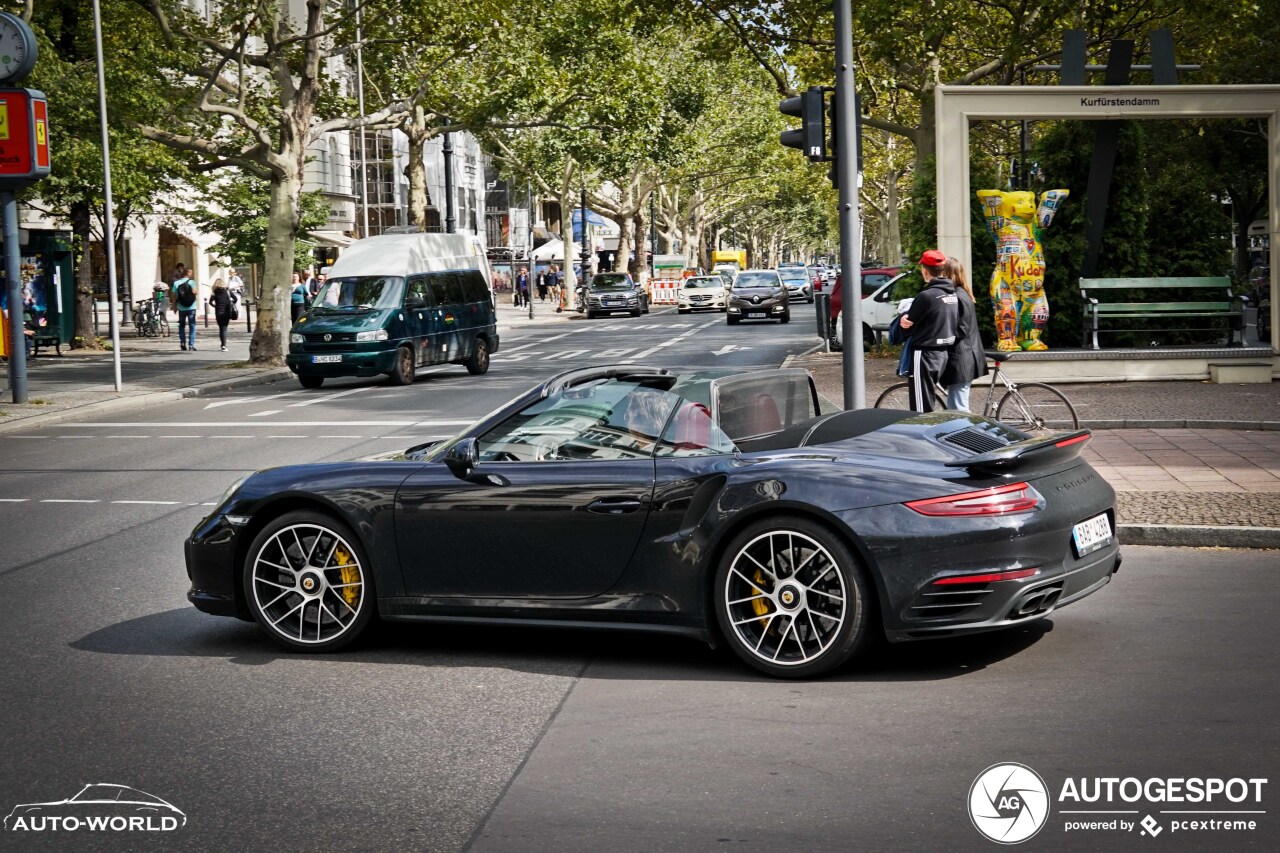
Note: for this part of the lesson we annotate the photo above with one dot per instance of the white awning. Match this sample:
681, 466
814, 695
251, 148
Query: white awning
330, 238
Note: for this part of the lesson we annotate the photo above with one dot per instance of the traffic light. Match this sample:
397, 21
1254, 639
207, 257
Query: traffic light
834, 142
810, 136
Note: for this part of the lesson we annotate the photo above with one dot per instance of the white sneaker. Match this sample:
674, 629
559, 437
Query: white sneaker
224, 349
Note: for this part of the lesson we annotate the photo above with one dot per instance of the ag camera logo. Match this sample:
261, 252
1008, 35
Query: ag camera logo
1008, 803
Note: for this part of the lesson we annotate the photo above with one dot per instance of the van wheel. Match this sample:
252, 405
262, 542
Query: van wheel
311, 381
403, 372
478, 363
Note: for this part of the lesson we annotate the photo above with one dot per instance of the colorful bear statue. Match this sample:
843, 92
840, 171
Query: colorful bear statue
1017, 283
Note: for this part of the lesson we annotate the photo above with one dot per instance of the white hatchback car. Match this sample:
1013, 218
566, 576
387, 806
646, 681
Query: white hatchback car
702, 293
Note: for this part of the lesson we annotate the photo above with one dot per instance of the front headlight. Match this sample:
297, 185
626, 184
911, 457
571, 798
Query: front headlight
295, 338
379, 335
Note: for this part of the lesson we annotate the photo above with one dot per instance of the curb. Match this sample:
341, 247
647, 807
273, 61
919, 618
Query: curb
151, 398
1199, 536
1181, 424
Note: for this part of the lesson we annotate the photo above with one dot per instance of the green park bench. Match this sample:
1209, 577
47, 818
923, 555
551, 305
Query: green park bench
1096, 311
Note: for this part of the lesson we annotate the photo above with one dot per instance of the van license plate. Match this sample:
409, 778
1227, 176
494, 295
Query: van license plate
1091, 535
756, 315
325, 359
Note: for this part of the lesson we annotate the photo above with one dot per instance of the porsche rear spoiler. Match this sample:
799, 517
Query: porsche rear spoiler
1046, 450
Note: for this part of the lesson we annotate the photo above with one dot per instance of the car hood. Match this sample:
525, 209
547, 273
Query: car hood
322, 320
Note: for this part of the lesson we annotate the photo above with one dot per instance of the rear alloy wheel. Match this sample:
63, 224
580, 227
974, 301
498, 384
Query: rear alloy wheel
403, 372
478, 363
791, 598
311, 381
308, 583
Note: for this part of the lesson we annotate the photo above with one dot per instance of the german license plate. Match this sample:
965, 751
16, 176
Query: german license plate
755, 315
1092, 534
325, 359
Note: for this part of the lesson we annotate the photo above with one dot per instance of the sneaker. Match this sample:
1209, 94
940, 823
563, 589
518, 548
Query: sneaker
193, 347
184, 347
224, 348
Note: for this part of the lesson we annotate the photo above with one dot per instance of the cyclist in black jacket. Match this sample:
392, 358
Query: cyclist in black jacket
931, 323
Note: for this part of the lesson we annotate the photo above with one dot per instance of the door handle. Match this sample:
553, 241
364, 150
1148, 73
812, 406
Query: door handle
614, 506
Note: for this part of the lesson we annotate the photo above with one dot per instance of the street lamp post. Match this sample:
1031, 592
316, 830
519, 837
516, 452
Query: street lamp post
533, 266
583, 207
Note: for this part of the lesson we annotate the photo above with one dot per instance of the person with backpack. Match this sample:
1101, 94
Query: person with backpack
185, 298
223, 305
966, 361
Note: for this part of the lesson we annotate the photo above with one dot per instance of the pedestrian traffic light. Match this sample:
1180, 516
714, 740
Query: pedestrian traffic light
810, 136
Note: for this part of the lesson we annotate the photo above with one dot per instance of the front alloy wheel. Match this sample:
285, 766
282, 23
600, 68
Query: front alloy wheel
404, 370
308, 583
791, 598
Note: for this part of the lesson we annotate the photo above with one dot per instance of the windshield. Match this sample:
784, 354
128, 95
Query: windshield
610, 281
357, 292
704, 281
756, 279
794, 276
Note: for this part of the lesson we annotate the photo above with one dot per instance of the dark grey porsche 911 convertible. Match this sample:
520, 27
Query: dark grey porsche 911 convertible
724, 505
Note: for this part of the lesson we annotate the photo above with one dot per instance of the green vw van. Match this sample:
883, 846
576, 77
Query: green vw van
394, 303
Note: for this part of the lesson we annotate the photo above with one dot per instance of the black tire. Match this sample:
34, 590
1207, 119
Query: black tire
868, 336
310, 381
404, 370
1041, 409
786, 316
478, 362
809, 300
732, 320
792, 624
636, 313
343, 576
644, 306
591, 315
896, 396
684, 311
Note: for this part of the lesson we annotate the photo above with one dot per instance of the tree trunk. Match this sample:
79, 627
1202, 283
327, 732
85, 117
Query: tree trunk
415, 128
274, 322
638, 268
626, 233
83, 336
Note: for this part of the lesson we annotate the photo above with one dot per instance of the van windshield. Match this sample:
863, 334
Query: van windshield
360, 293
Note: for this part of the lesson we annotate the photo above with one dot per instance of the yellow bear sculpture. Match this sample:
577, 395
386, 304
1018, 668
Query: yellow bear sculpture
1017, 283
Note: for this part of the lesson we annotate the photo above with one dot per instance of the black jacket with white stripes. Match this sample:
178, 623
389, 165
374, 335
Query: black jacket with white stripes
934, 316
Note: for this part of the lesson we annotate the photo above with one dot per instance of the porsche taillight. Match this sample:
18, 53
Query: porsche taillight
1000, 500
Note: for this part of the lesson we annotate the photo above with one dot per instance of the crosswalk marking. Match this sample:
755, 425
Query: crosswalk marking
572, 353
326, 398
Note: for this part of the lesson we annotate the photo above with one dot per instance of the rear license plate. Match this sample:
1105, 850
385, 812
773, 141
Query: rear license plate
325, 359
1092, 534
756, 315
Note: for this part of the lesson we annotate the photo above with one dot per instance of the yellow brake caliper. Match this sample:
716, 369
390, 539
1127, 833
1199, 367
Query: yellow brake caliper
350, 574
759, 605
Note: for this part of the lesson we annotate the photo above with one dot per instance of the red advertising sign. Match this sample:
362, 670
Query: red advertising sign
24, 137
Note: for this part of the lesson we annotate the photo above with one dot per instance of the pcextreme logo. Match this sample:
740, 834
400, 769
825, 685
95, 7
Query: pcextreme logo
104, 807
1009, 803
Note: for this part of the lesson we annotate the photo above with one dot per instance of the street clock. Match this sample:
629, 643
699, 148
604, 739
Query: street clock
17, 49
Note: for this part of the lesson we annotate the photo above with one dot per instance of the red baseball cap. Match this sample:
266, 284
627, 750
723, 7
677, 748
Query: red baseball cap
933, 258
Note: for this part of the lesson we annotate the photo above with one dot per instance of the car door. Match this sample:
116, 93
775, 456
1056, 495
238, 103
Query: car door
419, 317
553, 509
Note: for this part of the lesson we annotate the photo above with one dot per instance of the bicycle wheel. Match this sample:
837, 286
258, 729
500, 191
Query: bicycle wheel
164, 326
895, 397
1035, 408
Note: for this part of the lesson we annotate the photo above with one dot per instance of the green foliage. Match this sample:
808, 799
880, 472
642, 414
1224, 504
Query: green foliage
236, 209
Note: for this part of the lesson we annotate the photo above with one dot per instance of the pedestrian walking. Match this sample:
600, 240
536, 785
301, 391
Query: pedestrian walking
930, 322
235, 284
966, 361
223, 305
185, 297
542, 286
312, 283
522, 287
297, 297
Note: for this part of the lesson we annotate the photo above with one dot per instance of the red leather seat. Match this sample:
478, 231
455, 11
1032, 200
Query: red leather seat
693, 427
765, 417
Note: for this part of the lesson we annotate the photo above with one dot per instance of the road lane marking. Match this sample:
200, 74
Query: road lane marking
569, 353
669, 342
286, 436
13, 500
339, 436
329, 397
123, 436
69, 501
264, 414
157, 503
256, 398
614, 353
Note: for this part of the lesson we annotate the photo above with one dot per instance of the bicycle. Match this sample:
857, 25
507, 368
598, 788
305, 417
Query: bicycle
147, 321
1031, 407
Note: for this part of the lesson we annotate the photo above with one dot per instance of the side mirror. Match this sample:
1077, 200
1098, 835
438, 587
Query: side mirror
415, 303
461, 458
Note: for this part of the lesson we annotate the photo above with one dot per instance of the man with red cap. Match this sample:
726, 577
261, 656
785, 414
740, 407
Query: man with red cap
931, 324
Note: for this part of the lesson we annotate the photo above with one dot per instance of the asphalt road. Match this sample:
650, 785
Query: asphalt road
435, 738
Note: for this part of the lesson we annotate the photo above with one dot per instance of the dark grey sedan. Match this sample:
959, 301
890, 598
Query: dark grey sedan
759, 295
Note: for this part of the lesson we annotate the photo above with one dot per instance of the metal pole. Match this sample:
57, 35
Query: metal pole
364, 163
450, 218
653, 234
585, 250
13, 288
108, 226
533, 266
1024, 177
850, 221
